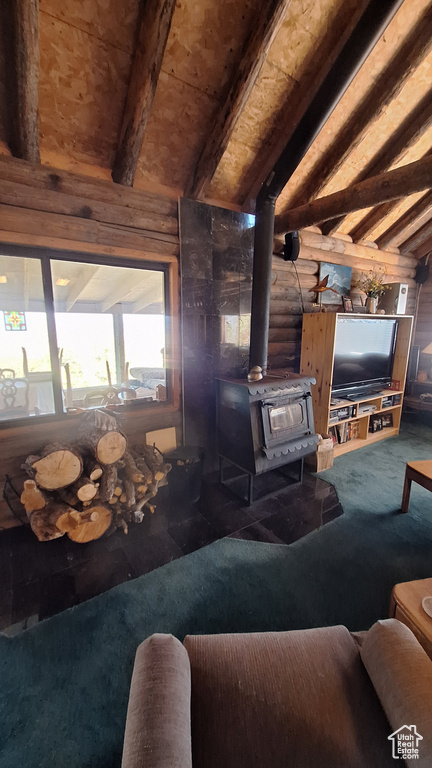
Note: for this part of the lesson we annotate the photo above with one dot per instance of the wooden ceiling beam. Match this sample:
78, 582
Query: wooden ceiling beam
254, 53
412, 51
409, 132
86, 273
25, 139
370, 222
408, 223
402, 182
418, 238
152, 37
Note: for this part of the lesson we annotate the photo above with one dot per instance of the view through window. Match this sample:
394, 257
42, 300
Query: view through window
110, 328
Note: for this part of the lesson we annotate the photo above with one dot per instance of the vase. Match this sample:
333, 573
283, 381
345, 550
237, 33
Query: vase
371, 305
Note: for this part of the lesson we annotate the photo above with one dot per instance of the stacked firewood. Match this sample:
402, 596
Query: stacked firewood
93, 486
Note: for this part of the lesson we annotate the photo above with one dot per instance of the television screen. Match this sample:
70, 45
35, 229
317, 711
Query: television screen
364, 351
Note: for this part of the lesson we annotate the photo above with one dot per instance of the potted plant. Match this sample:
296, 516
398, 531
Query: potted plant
373, 285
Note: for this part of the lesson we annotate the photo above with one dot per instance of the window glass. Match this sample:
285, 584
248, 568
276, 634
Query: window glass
26, 387
111, 333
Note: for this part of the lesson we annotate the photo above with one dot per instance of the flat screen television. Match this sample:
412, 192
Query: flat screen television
363, 355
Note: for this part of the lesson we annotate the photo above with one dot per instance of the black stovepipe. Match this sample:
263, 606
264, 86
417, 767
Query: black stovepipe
363, 38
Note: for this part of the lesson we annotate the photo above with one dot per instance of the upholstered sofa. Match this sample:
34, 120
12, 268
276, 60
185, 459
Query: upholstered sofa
317, 698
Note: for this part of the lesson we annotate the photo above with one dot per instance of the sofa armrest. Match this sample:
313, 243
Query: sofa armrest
158, 727
401, 673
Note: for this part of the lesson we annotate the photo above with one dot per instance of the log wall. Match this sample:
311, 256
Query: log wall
47, 208
286, 307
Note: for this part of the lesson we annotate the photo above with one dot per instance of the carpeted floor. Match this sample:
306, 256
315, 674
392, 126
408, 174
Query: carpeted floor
64, 684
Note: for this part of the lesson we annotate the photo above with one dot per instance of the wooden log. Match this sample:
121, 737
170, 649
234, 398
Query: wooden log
396, 232
387, 86
406, 135
108, 485
392, 185
54, 225
285, 320
43, 522
93, 469
32, 497
284, 334
26, 53
99, 433
342, 246
58, 466
130, 468
152, 36
84, 489
45, 178
53, 201
267, 21
85, 526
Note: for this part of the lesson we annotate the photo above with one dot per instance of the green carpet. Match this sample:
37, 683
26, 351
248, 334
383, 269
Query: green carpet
64, 684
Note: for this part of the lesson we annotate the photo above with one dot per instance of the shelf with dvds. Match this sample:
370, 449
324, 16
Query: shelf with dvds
352, 423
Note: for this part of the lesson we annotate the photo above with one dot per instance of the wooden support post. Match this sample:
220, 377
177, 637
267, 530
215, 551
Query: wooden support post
404, 181
25, 143
266, 24
152, 37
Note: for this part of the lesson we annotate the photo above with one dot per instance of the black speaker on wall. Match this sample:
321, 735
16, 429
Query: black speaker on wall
292, 246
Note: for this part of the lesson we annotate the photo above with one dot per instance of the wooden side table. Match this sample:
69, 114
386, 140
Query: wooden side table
418, 472
406, 605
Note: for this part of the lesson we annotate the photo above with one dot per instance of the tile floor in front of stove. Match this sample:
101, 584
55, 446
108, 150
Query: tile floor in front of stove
40, 579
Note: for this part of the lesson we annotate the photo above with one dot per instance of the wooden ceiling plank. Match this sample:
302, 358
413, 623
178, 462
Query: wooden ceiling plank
418, 238
25, 143
392, 185
152, 37
412, 51
254, 53
407, 222
409, 132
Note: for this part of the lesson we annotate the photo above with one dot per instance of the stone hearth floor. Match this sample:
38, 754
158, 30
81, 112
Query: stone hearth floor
40, 579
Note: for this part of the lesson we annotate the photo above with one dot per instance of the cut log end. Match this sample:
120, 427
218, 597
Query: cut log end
85, 526
57, 469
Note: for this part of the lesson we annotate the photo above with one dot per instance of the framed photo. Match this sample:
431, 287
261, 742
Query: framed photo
338, 282
347, 304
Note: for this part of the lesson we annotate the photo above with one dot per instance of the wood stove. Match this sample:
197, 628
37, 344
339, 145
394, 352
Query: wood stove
264, 425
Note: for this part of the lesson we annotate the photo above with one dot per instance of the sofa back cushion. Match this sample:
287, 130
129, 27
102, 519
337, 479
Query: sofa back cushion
283, 699
401, 673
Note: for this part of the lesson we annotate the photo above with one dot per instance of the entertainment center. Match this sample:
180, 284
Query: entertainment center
360, 365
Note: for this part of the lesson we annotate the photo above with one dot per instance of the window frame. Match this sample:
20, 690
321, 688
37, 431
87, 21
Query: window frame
169, 268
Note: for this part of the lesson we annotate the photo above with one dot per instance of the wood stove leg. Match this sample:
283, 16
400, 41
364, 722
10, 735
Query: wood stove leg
301, 470
250, 490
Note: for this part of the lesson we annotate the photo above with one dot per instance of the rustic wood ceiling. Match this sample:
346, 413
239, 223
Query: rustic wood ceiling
199, 97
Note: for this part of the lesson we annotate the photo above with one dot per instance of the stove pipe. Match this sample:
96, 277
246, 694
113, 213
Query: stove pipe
360, 43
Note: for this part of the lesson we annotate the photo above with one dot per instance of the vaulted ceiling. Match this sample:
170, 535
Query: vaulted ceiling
257, 65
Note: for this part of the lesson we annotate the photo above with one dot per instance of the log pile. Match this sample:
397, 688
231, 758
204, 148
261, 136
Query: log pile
93, 486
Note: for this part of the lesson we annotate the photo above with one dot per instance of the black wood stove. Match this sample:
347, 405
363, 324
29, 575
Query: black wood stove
264, 425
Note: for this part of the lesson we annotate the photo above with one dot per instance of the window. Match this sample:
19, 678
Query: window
76, 334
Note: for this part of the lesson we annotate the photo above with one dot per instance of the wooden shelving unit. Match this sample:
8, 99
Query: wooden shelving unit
317, 354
